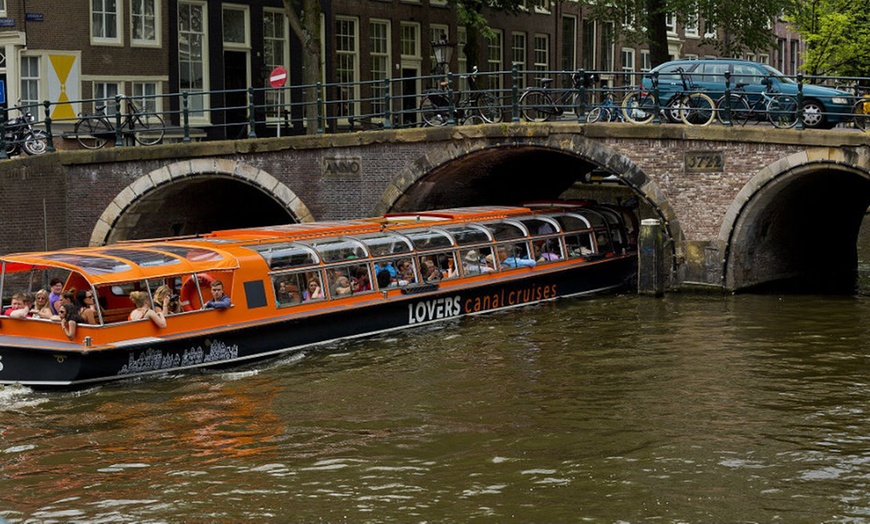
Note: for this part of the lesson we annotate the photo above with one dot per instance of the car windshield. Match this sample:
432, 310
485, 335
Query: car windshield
777, 74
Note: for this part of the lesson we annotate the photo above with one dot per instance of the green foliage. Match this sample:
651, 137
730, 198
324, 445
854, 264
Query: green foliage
837, 34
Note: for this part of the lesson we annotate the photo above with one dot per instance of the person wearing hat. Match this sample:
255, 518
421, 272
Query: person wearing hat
473, 265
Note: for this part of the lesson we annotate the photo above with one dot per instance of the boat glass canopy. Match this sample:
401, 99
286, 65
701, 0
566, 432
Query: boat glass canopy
572, 222
336, 250
142, 257
285, 255
385, 244
426, 239
467, 234
90, 264
505, 230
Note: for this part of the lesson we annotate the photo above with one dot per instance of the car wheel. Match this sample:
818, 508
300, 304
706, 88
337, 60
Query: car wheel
814, 114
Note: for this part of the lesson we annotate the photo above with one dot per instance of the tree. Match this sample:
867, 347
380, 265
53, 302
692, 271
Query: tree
736, 25
304, 18
837, 36
469, 13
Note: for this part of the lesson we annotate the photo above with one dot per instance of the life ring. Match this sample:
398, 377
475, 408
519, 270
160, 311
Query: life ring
189, 297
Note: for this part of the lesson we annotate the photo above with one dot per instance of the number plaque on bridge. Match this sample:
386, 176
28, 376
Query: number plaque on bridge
704, 162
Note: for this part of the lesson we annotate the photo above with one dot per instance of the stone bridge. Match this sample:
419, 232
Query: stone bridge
740, 207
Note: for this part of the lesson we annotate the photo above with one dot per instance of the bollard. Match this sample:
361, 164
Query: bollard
650, 264
515, 97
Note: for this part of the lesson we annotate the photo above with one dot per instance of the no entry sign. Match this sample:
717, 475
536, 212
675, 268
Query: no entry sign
278, 77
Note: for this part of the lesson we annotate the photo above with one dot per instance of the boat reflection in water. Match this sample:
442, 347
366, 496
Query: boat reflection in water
297, 285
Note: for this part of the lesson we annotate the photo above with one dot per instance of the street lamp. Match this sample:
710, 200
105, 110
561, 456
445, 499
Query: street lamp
443, 53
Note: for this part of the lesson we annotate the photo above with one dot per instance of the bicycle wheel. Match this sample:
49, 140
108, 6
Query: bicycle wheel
782, 111
638, 107
93, 132
739, 110
35, 142
432, 114
596, 114
536, 106
488, 108
148, 130
697, 109
861, 114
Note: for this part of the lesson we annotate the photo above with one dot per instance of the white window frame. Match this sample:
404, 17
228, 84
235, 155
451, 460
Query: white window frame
2, 7
628, 57
542, 7
158, 25
645, 62
116, 40
519, 55
494, 60
671, 23
691, 29
147, 102
541, 53
461, 40
385, 55
435, 32
199, 112
342, 55
412, 30
36, 80
101, 95
245, 44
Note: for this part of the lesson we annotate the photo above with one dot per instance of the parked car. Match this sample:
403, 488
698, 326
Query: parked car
824, 107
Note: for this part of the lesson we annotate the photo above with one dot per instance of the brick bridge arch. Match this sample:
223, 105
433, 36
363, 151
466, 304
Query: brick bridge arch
798, 217
400, 192
141, 197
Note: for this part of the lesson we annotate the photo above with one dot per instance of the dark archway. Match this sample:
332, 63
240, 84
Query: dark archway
799, 231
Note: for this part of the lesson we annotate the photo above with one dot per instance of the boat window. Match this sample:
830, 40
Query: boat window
438, 266
468, 234
90, 264
394, 272
336, 250
594, 217
429, 239
572, 222
384, 244
514, 254
539, 226
347, 280
477, 261
143, 258
285, 255
193, 254
547, 250
505, 230
298, 287
579, 245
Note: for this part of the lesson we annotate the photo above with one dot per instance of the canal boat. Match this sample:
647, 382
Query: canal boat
298, 285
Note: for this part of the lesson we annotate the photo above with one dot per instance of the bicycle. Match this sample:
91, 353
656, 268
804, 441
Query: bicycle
689, 105
94, 130
861, 110
777, 108
537, 105
608, 111
471, 107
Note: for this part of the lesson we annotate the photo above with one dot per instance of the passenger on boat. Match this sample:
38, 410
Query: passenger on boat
165, 302
383, 278
406, 273
69, 319
473, 265
342, 286
143, 309
314, 291
387, 266
514, 261
544, 253
361, 281
86, 304
431, 273
40, 308
56, 286
21, 304
218, 299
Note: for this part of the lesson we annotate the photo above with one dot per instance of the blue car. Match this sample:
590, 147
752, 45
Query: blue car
824, 107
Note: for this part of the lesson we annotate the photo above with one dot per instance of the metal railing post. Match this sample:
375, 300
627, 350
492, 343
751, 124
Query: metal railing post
319, 108
515, 94
655, 90
4, 116
119, 133
727, 120
49, 139
580, 106
451, 105
388, 105
185, 117
800, 102
252, 133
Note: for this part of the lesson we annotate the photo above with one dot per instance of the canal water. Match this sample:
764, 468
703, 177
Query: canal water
617, 409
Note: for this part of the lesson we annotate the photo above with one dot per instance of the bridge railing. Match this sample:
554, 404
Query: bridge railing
388, 103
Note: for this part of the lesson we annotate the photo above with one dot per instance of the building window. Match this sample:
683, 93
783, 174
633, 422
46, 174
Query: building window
588, 49
235, 28
494, 58
606, 57
30, 80
192, 55
410, 40
709, 29
346, 60
275, 53
645, 61
145, 22
793, 57
691, 28
461, 40
780, 54
106, 92
2, 7
105, 22
437, 33
379, 44
542, 53
569, 43
145, 96
542, 6
671, 22
438, 3
518, 56
628, 66
764, 59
